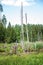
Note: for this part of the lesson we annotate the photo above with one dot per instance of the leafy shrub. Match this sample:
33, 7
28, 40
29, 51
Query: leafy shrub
19, 49
2, 50
39, 46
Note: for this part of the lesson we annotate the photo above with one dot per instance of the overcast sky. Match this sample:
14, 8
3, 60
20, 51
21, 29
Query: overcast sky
33, 8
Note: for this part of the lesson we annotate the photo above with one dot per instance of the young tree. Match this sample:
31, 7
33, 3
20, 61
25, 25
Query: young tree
17, 30
11, 34
1, 10
4, 20
2, 33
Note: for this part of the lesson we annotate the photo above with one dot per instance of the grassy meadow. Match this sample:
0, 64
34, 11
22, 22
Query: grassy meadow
32, 54
26, 59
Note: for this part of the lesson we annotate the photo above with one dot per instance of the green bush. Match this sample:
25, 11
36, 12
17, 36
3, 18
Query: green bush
2, 50
39, 46
19, 49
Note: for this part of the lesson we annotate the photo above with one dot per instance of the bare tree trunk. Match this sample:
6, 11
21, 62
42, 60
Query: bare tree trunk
22, 31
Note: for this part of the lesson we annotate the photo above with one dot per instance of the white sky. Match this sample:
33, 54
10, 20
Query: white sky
33, 8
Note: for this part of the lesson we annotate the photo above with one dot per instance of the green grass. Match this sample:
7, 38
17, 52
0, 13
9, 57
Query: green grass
22, 59
27, 59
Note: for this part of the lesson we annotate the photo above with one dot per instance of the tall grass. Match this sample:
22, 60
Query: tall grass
31, 59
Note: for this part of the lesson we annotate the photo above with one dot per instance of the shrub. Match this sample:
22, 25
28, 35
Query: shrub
39, 46
19, 49
2, 50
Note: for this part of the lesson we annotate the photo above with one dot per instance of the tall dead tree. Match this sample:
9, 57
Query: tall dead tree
22, 31
26, 28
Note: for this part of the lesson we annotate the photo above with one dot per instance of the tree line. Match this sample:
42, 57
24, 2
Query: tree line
11, 34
